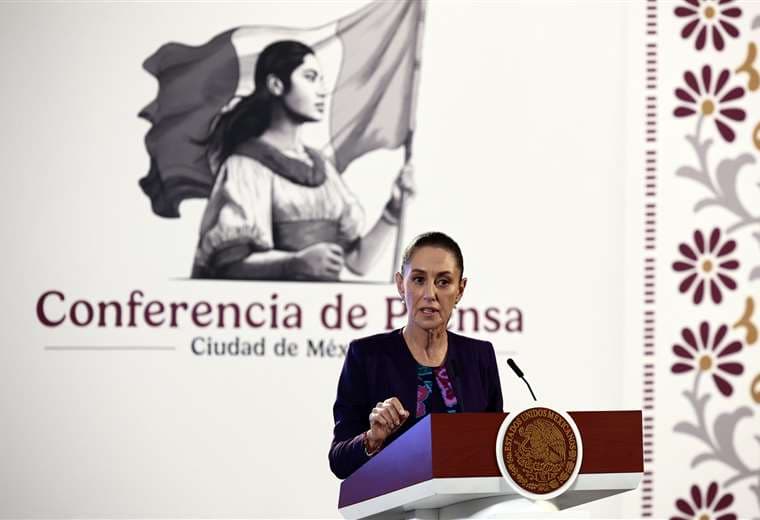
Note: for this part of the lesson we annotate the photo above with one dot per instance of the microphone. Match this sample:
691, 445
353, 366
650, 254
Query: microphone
520, 374
514, 367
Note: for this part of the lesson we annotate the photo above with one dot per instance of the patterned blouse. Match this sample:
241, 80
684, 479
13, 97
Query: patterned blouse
438, 397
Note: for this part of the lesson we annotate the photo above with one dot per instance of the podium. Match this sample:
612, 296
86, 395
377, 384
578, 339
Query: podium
445, 467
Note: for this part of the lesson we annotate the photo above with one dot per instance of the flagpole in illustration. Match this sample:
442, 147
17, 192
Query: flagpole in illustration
396, 260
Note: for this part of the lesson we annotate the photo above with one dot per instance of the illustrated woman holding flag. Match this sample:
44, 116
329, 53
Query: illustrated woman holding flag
278, 209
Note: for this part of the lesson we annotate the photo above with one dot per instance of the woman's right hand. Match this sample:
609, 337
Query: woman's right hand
322, 261
385, 418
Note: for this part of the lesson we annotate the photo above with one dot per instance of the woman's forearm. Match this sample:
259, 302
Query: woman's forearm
266, 265
370, 247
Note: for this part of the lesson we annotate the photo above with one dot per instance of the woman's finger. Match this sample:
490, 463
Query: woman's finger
335, 259
403, 414
392, 414
333, 267
377, 418
407, 184
407, 187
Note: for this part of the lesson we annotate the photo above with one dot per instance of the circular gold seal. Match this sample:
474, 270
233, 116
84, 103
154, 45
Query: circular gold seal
539, 452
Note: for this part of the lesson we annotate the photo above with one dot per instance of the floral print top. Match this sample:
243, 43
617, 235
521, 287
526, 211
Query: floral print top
435, 392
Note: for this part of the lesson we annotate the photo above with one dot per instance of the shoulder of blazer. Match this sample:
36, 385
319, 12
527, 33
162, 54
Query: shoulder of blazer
477, 346
375, 343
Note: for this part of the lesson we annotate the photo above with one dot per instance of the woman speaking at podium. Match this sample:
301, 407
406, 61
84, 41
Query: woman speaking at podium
392, 380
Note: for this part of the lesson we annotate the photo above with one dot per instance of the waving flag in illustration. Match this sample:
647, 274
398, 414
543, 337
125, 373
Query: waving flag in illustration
369, 59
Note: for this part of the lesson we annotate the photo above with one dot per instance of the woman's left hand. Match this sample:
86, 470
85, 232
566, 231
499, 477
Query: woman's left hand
404, 183
402, 187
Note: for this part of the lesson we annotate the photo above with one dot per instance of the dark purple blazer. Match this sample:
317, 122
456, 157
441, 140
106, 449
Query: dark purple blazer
381, 366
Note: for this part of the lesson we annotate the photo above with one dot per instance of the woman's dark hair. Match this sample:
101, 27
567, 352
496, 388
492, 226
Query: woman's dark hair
253, 114
433, 239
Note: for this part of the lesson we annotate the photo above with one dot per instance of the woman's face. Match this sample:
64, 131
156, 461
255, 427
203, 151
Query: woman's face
306, 97
430, 286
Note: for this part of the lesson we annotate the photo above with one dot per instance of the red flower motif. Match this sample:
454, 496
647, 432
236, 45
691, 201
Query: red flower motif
708, 18
447, 389
706, 356
704, 505
422, 393
707, 262
706, 98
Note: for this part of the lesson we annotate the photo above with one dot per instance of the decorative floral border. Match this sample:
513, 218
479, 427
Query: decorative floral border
707, 265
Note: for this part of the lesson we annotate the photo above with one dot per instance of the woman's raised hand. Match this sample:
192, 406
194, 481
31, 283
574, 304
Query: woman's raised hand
386, 417
322, 261
404, 182
403, 186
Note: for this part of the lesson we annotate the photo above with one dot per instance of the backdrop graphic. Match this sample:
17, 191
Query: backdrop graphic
128, 389
359, 95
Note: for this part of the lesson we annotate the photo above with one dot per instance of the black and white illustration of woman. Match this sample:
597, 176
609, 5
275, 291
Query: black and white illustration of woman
278, 209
